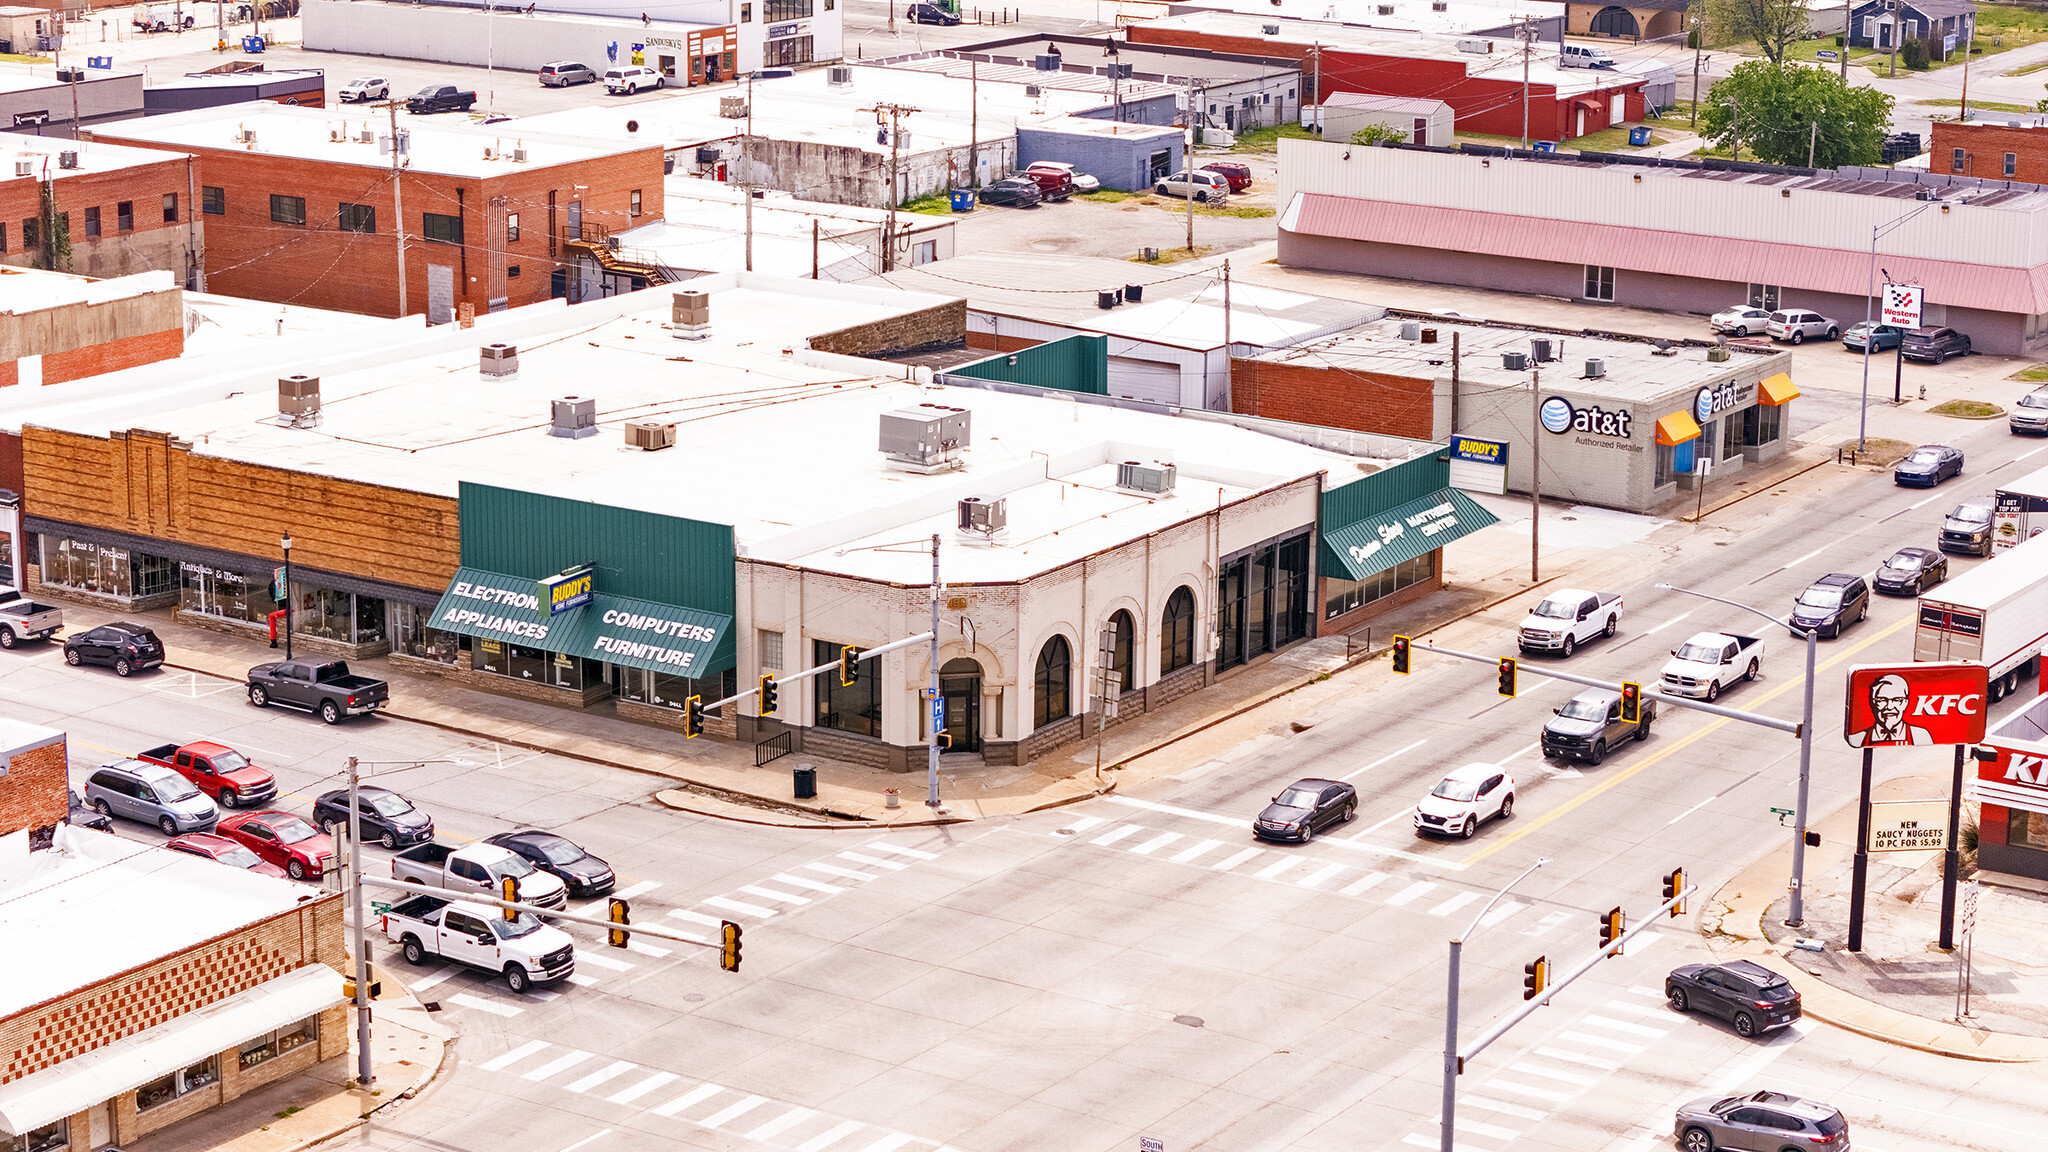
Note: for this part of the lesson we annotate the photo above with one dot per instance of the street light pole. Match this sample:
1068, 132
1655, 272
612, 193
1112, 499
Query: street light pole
1450, 1124
1796, 914
366, 1065
286, 543
1870, 320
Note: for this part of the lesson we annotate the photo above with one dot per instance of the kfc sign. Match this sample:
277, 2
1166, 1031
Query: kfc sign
1893, 705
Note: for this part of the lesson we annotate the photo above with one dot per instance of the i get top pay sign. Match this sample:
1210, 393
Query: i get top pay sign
1902, 305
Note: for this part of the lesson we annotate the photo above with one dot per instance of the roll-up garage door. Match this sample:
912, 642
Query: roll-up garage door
1144, 380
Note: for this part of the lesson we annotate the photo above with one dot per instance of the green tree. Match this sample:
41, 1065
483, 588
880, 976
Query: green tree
1379, 134
1774, 112
1773, 24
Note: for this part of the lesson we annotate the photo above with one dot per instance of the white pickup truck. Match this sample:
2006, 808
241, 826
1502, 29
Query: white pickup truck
1711, 661
525, 950
1568, 618
24, 619
479, 868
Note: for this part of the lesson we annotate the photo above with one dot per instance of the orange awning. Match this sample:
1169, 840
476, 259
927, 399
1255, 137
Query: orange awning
1677, 428
1775, 390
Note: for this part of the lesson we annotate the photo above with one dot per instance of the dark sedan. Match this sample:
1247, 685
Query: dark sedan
931, 14
1305, 808
1934, 344
586, 875
1012, 192
1928, 465
128, 648
1746, 994
386, 817
1911, 571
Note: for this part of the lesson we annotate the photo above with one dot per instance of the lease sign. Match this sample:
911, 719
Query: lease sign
1896, 705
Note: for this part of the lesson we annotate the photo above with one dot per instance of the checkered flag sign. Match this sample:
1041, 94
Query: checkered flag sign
1902, 305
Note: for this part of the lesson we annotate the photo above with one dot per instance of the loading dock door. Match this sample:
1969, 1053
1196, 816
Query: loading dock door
1144, 380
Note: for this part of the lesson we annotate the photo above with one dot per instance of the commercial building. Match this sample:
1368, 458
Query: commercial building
304, 206
1419, 121
1673, 235
1443, 17
1126, 157
158, 985
2012, 824
237, 84
98, 209
26, 30
1634, 20
1993, 146
55, 327
453, 482
43, 101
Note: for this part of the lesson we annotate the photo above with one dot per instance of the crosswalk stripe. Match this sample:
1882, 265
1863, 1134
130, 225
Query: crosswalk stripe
1364, 882
1276, 867
580, 980
1454, 903
873, 861
1638, 1009
1083, 824
1624, 1028
632, 890
1501, 1106
773, 894
832, 1136
431, 979
695, 917
1232, 861
889, 1143
1421, 1141
483, 1005
808, 885
781, 1124
1477, 1128
1187, 854
835, 870
611, 1071
702, 1091
1534, 1069
732, 1111
740, 906
647, 949
506, 1059
1501, 911
913, 853
1410, 894
1571, 1057
1116, 834
560, 1063
599, 959
1531, 1092
1601, 1042
1321, 874
1550, 921
1156, 843
627, 1096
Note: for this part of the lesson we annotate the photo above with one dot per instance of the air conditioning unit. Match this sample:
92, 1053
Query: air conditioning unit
650, 437
1515, 361
1596, 368
1539, 350
245, 135
1411, 329
490, 153
67, 159
335, 134
732, 107
1045, 62
1151, 477
575, 417
1476, 47
1386, 9
690, 315
983, 521
708, 155
612, 242
298, 396
1270, 29
1719, 353
1439, 6
498, 361
839, 76
519, 154
1033, 91
24, 166
926, 437
367, 136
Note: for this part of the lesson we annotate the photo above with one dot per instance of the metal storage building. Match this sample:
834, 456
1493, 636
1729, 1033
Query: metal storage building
1128, 157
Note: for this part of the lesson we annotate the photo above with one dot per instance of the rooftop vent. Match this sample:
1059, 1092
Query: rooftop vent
839, 76
983, 521
298, 397
67, 159
925, 437
650, 437
1150, 477
498, 361
1270, 29
690, 315
1515, 361
1429, 335
1596, 368
1386, 9
575, 417
1539, 350
732, 107
1411, 330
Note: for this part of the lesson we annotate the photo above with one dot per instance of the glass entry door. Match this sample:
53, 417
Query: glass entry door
960, 693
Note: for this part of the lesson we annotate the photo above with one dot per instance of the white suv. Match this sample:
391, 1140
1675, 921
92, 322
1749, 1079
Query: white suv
631, 79
1203, 186
1796, 326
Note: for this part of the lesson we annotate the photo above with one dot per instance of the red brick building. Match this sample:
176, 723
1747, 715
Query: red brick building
2007, 148
55, 327
301, 204
113, 210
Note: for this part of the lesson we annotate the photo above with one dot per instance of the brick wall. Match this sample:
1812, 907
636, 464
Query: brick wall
1361, 401
1174, 685
838, 745
1984, 147
1358, 617
938, 325
114, 355
32, 794
996, 342
150, 243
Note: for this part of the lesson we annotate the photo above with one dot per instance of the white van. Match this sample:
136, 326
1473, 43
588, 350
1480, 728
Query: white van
1583, 56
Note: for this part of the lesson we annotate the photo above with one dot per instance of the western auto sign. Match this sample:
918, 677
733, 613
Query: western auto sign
1899, 705
1902, 304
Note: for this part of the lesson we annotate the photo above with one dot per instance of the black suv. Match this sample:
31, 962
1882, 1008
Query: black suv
1830, 604
1746, 994
130, 648
932, 14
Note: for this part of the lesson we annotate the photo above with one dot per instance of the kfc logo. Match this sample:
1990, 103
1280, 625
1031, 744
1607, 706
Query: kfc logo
2023, 769
1915, 704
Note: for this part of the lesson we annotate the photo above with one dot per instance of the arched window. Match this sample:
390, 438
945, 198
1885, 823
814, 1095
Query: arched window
1123, 659
1050, 683
1177, 631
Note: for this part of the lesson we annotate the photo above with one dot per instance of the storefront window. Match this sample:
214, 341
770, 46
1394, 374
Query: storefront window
1761, 425
665, 691
101, 568
274, 1044
48, 1138
1666, 455
491, 656
177, 1084
856, 708
1731, 437
410, 635
1346, 595
343, 617
526, 663
227, 595
2027, 829
1261, 601
7, 556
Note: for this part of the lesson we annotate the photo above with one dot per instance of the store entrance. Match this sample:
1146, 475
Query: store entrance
960, 692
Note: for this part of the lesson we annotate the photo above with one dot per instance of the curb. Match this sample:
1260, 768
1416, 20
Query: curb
1761, 488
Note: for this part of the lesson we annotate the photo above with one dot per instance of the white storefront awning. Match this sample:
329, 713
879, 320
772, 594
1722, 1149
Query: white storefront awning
2012, 796
103, 1073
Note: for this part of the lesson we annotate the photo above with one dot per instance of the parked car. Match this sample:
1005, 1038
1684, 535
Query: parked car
221, 772
2031, 413
303, 851
1583, 56
1011, 191
563, 73
1830, 604
1710, 661
1968, 526
1305, 808
628, 81
478, 868
1464, 799
1203, 187
1743, 321
80, 816
1054, 184
1083, 182
586, 875
151, 794
129, 648
1928, 465
931, 14
1770, 1120
364, 89
214, 846
24, 619
1238, 176
1746, 994
1797, 326
525, 950
383, 816
1910, 571
1588, 724
1934, 345
1568, 618
322, 686
1879, 336
441, 98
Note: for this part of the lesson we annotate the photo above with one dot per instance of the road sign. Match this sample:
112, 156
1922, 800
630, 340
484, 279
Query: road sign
1902, 304
1969, 907
1908, 825
1890, 705
1149, 1144
1829, 54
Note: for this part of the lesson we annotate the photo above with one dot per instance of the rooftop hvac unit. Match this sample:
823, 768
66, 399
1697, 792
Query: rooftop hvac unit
1148, 476
519, 154
690, 315
23, 166
1515, 361
1033, 91
335, 134
650, 437
1386, 9
732, 107
1719, 353
367, 136
1539, 350
498, 361
1596, 368
298, 397
245, 135
983, 521
1476, 47
707, 155
1439, 6
1411, 329
1270, 29
839, 76
490, 153
575, 417
925, 437
1046, 62
67, 159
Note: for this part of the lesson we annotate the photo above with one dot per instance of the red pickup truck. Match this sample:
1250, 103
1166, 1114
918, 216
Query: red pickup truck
218, 770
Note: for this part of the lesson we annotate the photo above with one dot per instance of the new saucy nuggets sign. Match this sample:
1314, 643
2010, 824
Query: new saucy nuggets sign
1899, 705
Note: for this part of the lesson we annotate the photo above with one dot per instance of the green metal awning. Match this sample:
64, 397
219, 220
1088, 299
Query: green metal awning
1378, 542
614, 629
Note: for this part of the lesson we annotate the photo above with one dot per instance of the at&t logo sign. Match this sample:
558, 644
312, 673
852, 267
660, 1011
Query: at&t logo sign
1559, 415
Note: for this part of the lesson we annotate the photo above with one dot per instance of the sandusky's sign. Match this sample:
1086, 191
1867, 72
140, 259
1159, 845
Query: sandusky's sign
1908, 825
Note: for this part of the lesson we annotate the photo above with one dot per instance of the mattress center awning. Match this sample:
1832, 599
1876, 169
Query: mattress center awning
615, 629
1376, 543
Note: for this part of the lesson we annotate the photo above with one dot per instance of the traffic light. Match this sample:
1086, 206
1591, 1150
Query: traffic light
1812, 838
693, 717
729, 946
1507, 675
1535, 978
768, 689
1631, 703
1610, 928
621, 913
1401, 655
1674, 883
849, 666
348, 988
944, 740
510, 887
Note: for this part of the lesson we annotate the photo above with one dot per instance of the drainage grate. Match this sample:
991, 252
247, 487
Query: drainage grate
432, 1005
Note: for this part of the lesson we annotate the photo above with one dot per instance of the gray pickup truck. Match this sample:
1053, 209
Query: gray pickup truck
1590, 723
441, 98
24, 619
322, 686
478, 868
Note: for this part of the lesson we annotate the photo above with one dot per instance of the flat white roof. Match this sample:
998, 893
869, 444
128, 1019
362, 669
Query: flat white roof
721, 246
442, 145
1107, 129
93, 156
33, 290
714, 203
1456, 17
25, 77
237, 79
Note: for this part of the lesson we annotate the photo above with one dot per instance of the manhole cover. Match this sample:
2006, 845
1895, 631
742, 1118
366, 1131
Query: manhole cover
1190, 1021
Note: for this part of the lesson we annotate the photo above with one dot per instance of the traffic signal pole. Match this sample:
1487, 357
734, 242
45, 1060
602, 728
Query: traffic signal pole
821, 669
1452, 1064
605, 922
1679, 701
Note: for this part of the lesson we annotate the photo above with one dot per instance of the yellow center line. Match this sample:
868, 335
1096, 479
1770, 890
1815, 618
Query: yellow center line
1524, 829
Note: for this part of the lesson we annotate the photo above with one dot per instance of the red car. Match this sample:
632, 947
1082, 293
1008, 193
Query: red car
303, 851
220, 771
1239, 175
217, 847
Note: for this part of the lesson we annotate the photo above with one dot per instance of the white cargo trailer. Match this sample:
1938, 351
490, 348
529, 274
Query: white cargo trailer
2020, 512
1996, 614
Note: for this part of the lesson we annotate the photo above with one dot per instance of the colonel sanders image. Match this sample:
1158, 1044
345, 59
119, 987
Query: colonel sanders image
1889, 696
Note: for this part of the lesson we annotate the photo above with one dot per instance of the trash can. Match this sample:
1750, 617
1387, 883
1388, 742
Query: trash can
963, 199
1639, 136
806, 781
252, 43
1545, 146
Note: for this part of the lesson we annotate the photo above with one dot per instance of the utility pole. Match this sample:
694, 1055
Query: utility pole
973, 123
937, 702
1699, 32
1226, 322
1187, 162
1848, 34
1735, 124
1454, 382
397, 204
1526, 30
1317, 52
1893, 5
895, 113
1812, 139
1969, 41
366, 1073
1535, 473
490, 51
747, 174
